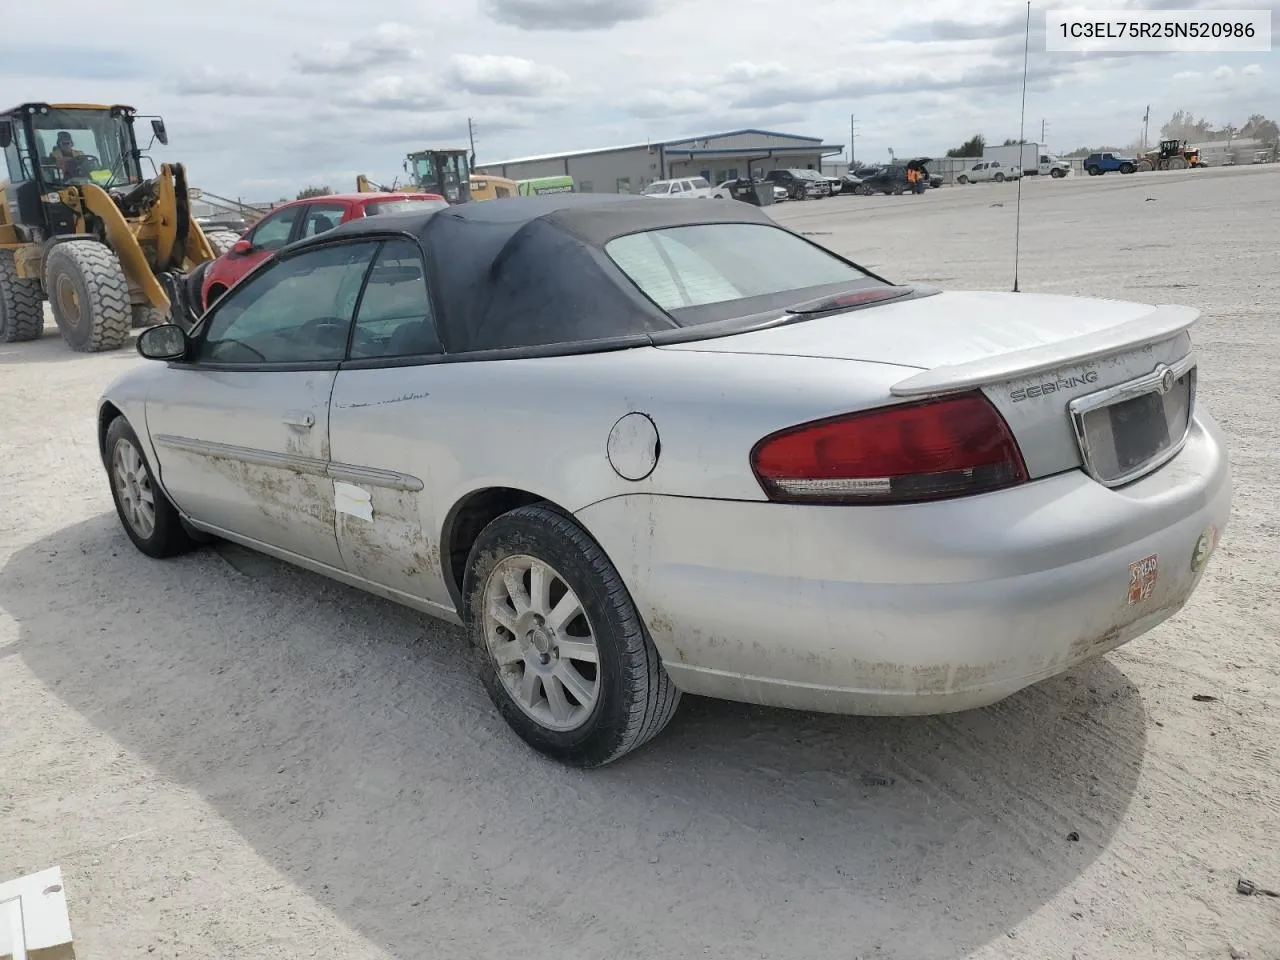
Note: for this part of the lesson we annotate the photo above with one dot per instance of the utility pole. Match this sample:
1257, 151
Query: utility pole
853, 141
471, 135
1043, 125
1146, 122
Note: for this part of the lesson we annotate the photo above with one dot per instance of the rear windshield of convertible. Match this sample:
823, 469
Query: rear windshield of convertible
685, 268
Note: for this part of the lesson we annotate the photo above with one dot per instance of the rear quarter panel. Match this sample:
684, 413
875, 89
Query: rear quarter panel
543, 425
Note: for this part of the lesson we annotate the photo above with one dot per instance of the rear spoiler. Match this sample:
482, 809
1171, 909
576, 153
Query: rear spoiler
1160, 324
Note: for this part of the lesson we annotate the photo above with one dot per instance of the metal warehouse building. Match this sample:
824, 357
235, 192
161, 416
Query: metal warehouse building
717, 157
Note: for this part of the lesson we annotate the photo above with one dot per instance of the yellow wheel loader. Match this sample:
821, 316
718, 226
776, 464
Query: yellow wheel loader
81, 227
444, 172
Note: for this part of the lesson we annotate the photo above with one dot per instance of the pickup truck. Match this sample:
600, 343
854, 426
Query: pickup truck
1096, 164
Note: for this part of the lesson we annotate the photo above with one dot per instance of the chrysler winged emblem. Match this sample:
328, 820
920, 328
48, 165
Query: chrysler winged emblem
1167, 379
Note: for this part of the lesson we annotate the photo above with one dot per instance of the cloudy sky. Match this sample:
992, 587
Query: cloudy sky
263, 97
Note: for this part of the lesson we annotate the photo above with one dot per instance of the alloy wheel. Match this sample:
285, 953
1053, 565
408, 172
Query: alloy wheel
541, 642
133, 488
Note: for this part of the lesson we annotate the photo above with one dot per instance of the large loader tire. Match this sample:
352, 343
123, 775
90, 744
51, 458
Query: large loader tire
221, 240
145, 315
89, 295
21, 306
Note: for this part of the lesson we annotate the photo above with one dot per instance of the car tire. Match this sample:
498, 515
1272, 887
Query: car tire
1126, 168
962, 180
606, 709
89, 295
21, 305
1057, 174
156, 530
999, 178
1093, 171
865, 189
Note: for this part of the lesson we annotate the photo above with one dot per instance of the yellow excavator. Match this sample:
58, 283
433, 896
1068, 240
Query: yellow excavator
82, 227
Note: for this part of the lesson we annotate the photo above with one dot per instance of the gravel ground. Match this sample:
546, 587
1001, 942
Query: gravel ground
231, 758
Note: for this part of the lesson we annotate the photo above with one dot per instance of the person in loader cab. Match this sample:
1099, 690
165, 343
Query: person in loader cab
64, 153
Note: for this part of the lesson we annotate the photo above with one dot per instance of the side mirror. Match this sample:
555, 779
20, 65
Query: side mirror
157, 127
241, 247
6, 134
165, 342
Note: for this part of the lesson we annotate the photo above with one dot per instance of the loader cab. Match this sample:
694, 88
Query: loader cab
48, 147
445, 172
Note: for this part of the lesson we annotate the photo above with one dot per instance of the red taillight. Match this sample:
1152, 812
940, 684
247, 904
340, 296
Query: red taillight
932, 450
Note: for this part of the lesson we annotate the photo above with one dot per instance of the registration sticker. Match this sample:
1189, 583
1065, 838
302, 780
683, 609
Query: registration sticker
1142, 578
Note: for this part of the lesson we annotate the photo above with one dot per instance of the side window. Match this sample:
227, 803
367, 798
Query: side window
297, 310
273, 232
395, 318
502, 191
321, 218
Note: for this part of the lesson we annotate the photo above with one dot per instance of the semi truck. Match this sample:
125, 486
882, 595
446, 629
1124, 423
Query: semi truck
1033, 159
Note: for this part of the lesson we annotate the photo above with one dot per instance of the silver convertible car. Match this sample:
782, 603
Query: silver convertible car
640, 448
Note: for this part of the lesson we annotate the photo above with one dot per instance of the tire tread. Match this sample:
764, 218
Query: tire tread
21, 304
110, 310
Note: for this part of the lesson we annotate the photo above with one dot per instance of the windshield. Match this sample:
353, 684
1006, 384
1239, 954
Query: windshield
439, 167
661, 186
85, 146
403, 206
685, 270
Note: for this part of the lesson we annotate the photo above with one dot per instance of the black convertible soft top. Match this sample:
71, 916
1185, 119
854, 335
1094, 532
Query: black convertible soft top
532, 271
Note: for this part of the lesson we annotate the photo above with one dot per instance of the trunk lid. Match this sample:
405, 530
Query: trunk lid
1081, 382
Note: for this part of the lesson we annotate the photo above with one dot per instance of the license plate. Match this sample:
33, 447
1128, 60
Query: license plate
1129, 430
1139, 429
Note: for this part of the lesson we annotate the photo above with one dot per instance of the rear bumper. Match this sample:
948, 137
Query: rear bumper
918, 609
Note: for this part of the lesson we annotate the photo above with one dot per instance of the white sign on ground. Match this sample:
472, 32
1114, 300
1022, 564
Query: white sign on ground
34, 922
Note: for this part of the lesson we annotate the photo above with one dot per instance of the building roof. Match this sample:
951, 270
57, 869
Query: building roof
815, 141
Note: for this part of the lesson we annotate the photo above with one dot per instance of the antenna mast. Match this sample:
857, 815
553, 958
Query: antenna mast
1022, 126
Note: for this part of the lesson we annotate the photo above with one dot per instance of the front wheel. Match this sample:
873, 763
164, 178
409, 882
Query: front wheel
89, 295
1126, 168
559, 644
148, 518
962, 180
1057, 174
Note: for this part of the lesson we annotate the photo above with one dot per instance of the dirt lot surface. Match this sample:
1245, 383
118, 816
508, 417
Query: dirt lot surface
230, 758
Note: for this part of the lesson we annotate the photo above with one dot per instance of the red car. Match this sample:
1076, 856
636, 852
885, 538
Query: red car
293, 221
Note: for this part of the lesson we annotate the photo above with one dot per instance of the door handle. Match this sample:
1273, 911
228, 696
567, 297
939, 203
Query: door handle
300, 418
